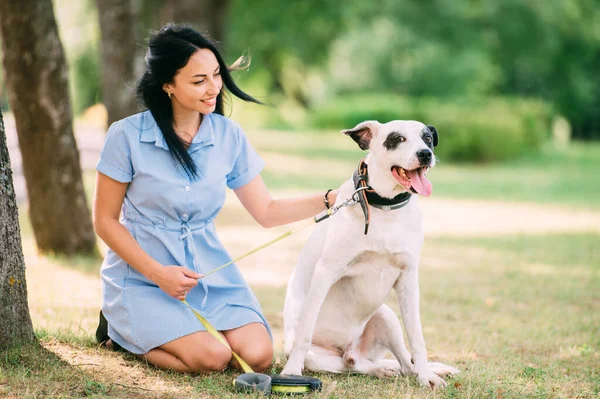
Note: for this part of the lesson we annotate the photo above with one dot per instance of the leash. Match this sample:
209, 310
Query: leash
315, 219
251, 381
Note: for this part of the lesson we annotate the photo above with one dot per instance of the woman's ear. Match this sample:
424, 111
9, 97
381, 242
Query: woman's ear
362, 133
167, 87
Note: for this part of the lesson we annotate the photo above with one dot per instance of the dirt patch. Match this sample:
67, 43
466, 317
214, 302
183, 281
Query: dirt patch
113, 370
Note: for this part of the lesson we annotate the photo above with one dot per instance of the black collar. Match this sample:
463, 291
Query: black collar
367, 196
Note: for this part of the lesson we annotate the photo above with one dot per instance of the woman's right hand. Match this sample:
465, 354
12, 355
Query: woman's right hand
177, 281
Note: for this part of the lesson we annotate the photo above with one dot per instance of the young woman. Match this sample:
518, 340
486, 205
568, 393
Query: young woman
165, 171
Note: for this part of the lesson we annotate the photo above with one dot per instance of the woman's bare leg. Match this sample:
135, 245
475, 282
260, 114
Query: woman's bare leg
253, 344
195, 353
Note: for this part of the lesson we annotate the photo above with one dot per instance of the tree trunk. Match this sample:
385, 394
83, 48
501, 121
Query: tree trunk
36, 80
204, 15
15, 323
117, 30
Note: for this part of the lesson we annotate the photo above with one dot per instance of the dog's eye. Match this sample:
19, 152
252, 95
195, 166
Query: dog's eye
428, 139
402, 139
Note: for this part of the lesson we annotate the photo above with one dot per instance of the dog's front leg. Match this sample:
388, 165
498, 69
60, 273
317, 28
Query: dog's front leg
325, 275
407, 292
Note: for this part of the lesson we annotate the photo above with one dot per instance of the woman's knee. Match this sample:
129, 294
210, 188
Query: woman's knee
212, 358
259, 356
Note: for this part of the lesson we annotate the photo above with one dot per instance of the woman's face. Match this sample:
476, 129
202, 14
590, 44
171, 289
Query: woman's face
196, 86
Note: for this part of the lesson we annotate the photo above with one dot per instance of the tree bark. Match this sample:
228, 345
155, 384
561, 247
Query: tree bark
15, 323
207, 16
118, 44
36, 80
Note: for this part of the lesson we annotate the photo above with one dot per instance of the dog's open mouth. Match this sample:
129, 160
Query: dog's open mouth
414, 180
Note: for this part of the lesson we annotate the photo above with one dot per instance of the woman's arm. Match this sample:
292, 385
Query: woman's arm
257, 200
108, 199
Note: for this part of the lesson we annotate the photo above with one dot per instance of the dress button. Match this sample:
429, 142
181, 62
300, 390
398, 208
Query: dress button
187, 188
185, 217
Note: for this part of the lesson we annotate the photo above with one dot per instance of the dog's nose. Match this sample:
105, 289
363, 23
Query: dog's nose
424, 156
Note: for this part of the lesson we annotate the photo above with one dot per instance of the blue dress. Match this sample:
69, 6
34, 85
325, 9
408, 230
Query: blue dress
171, 218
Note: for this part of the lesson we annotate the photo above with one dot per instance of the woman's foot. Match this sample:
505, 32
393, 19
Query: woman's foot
102, 330
103, 338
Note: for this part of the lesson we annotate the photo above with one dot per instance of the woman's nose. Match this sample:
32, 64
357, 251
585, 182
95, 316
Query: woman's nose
214, 86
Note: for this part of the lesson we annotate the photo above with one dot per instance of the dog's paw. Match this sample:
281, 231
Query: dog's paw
442, 369
350, 358
291, 369
407, 369
383, 372
430, 379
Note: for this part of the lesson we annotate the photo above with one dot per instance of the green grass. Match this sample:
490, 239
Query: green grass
520, 316
566, 177
53, 376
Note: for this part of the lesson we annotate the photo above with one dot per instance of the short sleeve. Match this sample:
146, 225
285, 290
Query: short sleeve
247, 164
115, 156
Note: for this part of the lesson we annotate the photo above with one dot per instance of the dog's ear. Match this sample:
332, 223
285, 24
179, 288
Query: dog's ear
434, 133
362, 133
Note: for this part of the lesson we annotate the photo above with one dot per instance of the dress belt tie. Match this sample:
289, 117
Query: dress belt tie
189, 240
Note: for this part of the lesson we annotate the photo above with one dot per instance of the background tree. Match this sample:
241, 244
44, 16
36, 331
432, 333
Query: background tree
118, 55
15, 323
36, 81
205, 15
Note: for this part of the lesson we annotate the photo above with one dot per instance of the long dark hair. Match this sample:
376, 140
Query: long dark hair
169, 49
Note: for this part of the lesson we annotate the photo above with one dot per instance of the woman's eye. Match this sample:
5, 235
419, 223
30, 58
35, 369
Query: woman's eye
200, 82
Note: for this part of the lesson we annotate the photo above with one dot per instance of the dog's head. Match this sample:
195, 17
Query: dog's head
402, 148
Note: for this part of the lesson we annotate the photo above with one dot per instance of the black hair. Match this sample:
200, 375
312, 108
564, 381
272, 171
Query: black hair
169, 49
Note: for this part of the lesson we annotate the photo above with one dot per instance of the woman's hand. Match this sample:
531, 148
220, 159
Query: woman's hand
177, 281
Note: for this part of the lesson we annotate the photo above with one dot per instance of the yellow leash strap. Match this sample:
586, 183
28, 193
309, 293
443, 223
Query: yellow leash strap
213, 331
250, 380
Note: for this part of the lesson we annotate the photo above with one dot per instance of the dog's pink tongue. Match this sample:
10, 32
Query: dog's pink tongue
419, 182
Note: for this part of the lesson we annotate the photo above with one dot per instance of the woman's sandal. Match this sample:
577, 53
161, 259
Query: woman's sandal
103, 338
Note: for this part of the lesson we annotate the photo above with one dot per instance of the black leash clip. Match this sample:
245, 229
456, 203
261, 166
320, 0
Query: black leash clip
334, 209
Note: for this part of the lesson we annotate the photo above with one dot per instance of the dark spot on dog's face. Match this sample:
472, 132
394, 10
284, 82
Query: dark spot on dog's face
430, 131
393, 140
427, 138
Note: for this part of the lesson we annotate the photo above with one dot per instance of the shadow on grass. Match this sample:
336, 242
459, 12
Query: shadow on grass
34, 371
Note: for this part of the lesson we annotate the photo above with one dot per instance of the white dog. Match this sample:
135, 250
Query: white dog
335, 318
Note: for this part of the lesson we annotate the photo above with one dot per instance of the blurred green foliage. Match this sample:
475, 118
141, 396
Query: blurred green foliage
308, 54
80, 35
479, 130
86, 79
547, 50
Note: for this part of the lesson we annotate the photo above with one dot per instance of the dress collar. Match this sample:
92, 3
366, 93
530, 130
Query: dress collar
151, 133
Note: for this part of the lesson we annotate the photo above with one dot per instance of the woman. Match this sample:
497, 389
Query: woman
165, 170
